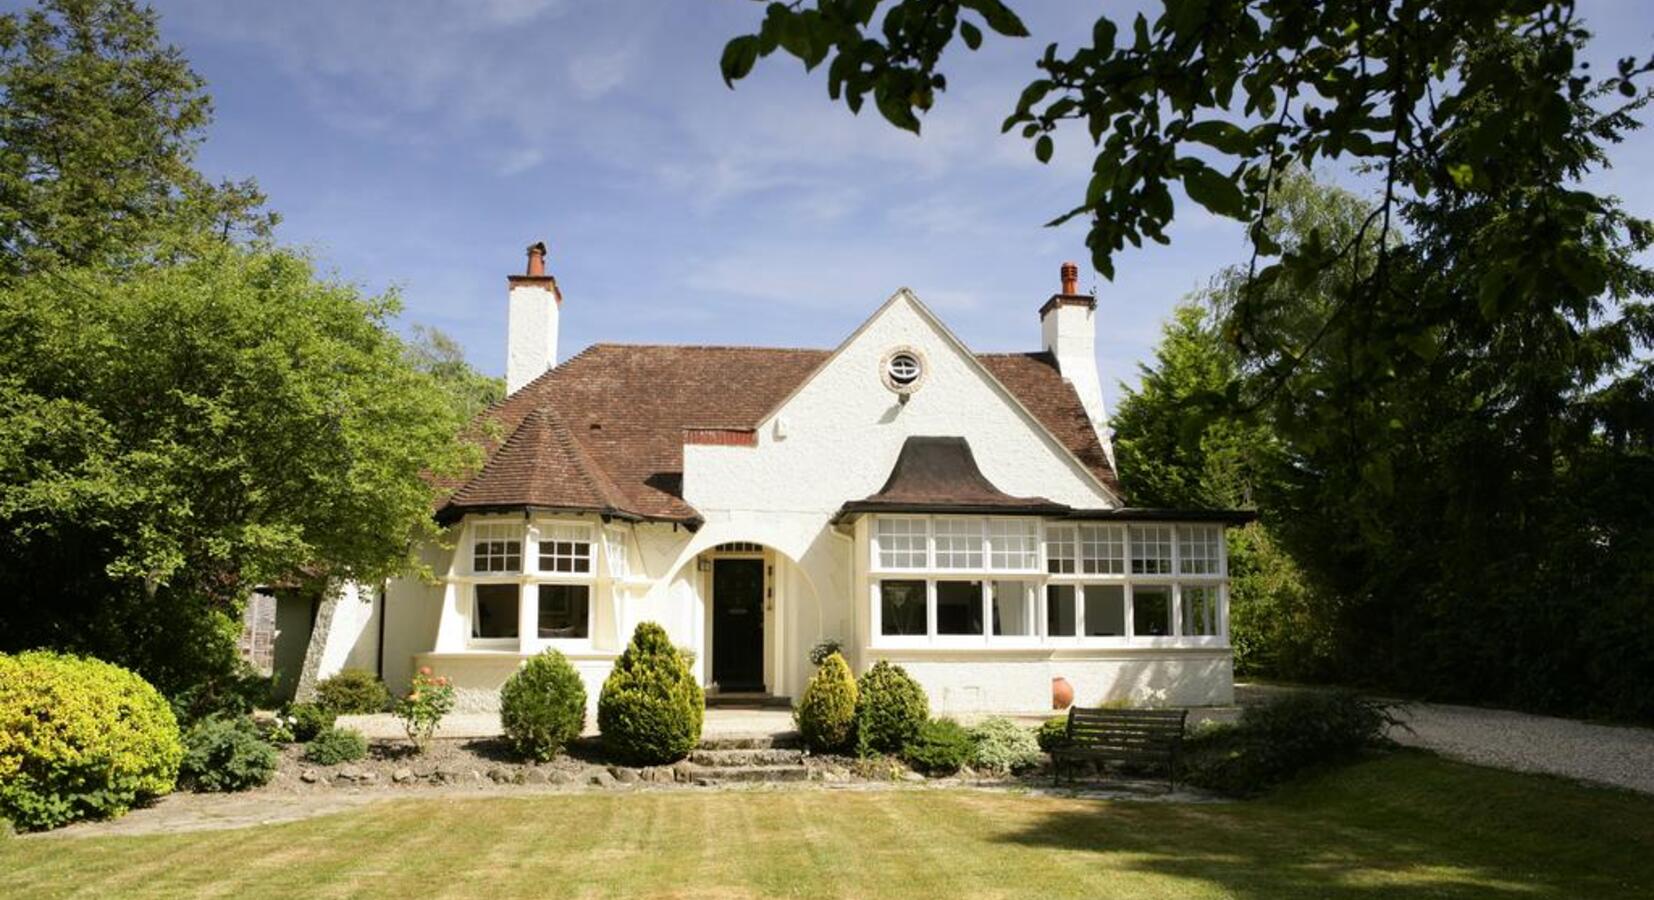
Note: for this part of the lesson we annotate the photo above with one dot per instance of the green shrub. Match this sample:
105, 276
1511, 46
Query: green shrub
226, 753
235, 689
650, 709
1274, 742
429, 698
941, 747
823, 649
309, 720
80, 739
890, 709
353, 692
1004, 747
336, 745
1053, 733
826, 713
543, 706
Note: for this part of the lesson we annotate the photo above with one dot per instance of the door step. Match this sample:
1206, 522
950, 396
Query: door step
747, 701
785, 740
710, 775
736, 758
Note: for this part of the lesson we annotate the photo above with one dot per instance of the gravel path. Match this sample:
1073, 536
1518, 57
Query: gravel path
1609, 754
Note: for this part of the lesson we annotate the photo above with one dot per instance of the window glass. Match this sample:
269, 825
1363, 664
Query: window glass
1059, 549
497, 548
1200, 610
1060, 615
1105, 610
614, 545
1151, 549
494, 614
1013, 544
566, 548
1197, 549
959, 607
565, 611
901, 543
1013, 608
958, 543
1151, 610
901, 607
1102, 549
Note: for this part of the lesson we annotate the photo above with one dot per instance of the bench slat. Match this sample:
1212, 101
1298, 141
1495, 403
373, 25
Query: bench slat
1124, 736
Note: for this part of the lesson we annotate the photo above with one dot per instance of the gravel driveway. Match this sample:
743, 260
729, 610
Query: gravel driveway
1621, 756
1522, 742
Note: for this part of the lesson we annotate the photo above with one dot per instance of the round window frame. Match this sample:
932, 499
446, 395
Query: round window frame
889, 379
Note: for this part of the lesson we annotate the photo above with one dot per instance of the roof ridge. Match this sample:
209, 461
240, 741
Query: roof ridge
656, 344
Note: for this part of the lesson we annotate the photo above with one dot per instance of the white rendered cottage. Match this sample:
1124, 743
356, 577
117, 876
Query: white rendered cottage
954, 512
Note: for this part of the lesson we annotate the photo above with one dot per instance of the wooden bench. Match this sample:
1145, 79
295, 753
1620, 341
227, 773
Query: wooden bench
1133, 736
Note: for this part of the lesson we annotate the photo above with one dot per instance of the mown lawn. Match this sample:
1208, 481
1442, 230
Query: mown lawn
1405, 824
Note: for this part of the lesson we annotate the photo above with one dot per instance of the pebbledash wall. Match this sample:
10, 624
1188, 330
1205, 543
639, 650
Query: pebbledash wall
834, 440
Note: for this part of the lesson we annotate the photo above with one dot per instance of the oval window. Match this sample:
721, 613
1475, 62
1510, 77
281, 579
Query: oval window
904, 369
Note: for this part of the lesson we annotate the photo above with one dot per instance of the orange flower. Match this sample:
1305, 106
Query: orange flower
424, 670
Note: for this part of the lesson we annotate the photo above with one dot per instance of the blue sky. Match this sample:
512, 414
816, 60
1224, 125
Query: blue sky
423, 144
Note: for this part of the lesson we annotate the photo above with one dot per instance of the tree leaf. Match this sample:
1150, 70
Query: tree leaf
740, 55
1213, 191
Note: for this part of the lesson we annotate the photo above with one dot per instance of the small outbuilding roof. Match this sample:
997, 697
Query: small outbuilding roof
940, 475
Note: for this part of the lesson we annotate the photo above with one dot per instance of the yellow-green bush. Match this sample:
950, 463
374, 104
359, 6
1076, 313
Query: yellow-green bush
650, 709
826, 713
80, 739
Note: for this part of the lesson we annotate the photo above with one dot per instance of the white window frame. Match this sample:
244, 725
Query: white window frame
502, 532
531, 576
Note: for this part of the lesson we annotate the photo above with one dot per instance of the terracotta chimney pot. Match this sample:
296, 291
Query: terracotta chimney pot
537, 259
1070, 278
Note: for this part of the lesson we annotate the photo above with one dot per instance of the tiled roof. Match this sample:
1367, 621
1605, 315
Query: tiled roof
939, 474
604, 430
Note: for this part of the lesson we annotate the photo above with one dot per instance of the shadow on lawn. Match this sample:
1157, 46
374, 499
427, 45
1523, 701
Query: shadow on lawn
1256, 849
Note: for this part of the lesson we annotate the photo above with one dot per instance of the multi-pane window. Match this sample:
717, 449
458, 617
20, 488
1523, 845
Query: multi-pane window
614, 546
1200, 610
1060, 549
901, 608
1151, 549
565, 611
1102, 549
1062, 615
902, 543
497, 547
1151, 610
958, 543
494, 611
566, 549
1197, 549
1013, 544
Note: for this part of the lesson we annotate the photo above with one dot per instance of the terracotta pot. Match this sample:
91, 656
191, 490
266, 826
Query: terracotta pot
1062, 693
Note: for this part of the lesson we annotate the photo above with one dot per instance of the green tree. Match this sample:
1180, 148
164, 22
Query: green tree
438, 355
99, 124
179, 435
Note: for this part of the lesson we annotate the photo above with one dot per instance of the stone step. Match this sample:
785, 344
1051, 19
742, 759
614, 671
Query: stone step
747, 757
698, 774
786, 740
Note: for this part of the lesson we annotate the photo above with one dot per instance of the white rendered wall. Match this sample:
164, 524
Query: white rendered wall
1069, 332
531, 331
1005, 682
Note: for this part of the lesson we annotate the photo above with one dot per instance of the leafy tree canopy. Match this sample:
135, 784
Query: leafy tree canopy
99, 123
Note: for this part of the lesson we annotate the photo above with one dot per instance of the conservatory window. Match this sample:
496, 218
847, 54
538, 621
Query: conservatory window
902, 543
1013, 608
1197, 549
1151, 610
497, 548
494, 611
1013, 544
1102, 549
1061, 615
958, 543
1151, 550
566, 548
1105, 610
565, 611
1060, 551
959, 607
902, 608
1200, 610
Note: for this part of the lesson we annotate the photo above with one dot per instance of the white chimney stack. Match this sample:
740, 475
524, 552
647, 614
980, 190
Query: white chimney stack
1068, 325
533, 303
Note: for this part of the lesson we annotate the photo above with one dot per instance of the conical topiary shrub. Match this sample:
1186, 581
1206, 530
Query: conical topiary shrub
826, 714
890, 709
650, 709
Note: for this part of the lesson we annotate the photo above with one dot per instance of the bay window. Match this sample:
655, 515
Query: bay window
497, 547
494, 612
1018, 581
513, 605
565, 611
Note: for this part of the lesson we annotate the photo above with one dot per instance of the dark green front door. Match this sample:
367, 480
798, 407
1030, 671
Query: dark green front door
738, 624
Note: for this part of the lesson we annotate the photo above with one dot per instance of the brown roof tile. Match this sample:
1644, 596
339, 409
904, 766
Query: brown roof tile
940, 474
604, 430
